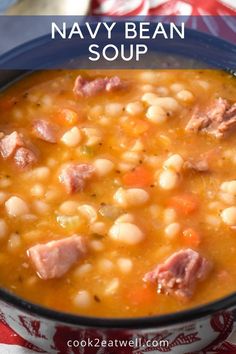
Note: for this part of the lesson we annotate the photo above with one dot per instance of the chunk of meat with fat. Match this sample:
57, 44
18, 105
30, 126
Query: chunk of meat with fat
25, 157
86, 88
55, 258
179, 273
10, 143
13, 145
45, 130
74, 176
201, 165
218, 120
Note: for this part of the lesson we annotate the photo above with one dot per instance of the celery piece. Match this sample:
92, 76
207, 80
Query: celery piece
86, 150
70, 222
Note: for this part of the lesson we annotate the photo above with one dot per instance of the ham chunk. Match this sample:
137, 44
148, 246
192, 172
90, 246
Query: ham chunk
179, 274
24, 157
113, 83
10, 143
86, 88
45, 130
53, 259
201, 165
218, 120
204, 161
74, 176
13, 146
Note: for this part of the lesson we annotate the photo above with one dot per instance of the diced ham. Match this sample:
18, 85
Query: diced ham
86, 88
218, 120
113, 83
13, 146
55, 258
10, 143
197, 165
45, 130
24, 157
179, 274
74, 176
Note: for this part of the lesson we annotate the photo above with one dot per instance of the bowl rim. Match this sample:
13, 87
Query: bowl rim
169, 319
143, 322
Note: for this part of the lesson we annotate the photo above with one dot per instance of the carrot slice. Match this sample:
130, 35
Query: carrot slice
67, 117
141, 127
135, 127
184, 204
191, 237
139, 177
141, 295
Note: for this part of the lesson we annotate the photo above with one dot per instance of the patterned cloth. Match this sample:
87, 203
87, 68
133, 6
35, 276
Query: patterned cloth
12, 343
163, 7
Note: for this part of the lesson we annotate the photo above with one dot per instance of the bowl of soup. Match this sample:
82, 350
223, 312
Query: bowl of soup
118, 208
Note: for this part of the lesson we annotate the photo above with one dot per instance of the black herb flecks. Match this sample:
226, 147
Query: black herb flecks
96, 298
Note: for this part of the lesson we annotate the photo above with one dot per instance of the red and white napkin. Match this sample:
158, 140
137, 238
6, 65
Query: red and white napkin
164, 7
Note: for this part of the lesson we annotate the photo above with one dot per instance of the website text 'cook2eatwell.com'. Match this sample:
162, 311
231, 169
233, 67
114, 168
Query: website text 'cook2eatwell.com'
117, 177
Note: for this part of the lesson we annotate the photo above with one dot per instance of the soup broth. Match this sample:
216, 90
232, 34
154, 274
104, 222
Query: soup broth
130, 176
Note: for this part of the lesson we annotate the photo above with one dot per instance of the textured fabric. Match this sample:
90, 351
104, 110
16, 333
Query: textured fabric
163, 7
